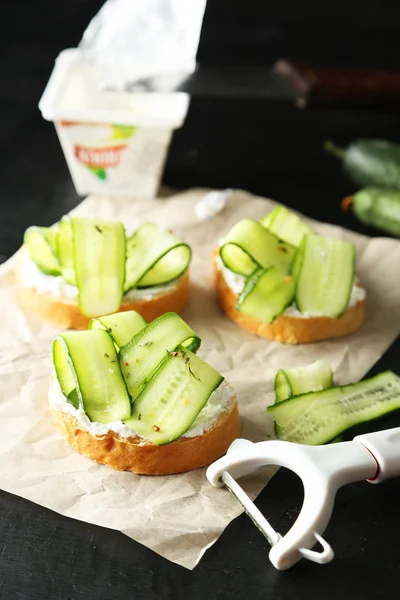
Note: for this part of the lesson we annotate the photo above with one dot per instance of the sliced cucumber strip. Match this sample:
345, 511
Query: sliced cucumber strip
154, 257
64, 373
88, 358
266, 294
170, 266
65, 250
99, 261
298, 260
282, 388
121, 326
326, 276
249, 245
286, 225
50, 233
318, 417
170, 403
73, 398
293, 382
141, 357
41, 251
311, 378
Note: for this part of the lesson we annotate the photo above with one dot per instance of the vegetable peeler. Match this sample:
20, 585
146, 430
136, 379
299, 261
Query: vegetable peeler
323, 470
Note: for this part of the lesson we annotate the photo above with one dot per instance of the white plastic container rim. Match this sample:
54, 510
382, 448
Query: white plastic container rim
154, 110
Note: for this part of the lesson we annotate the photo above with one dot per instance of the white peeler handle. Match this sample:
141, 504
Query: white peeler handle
385, 448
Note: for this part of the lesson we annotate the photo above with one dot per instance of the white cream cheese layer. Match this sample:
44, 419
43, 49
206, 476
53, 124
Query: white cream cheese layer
212, 204
236, 283
219, 402
57, 287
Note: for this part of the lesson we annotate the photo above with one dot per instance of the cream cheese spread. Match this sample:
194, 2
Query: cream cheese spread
218, 402
59, 288
212, 204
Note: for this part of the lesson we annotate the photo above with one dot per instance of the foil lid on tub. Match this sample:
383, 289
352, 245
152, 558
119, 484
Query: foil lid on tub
144, 45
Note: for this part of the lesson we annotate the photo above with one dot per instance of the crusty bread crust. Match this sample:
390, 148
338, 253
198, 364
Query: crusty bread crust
65, 312
145, 458
287, 328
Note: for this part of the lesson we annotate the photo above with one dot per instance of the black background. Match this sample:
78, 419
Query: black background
267, 147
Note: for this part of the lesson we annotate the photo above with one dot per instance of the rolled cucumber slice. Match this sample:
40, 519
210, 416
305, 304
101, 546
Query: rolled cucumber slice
99, 261
293, 382
298, 259
325, 277
266, 294
248, 245
311, 378
89, 359
154, 257
146, 351
173, 398
319, 417
64, 373
170, 267
286, 225
50, 233
121, 326
65, 250
41, 252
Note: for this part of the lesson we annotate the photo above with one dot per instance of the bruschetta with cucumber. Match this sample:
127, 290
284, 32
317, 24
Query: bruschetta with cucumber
279, 279
136, 396
85, 267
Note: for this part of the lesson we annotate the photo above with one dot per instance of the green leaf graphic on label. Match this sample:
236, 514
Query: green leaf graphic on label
99, 172
122, 131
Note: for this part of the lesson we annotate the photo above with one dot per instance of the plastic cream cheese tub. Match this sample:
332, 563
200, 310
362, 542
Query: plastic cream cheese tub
115, 143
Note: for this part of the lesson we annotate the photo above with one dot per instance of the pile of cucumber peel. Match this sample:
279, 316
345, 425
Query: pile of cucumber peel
310, 409
285, 262
98, 257
146, 375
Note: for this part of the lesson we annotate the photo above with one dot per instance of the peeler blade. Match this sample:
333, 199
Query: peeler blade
251, 509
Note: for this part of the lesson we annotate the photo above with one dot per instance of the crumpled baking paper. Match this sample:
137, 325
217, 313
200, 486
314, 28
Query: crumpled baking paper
177, 516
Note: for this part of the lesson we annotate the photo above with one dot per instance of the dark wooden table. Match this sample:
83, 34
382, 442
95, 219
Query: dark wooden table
270, 148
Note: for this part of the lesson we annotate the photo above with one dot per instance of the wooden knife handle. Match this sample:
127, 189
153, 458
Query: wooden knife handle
337, 86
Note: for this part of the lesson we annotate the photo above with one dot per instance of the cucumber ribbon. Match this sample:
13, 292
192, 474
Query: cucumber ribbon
315, 271
301, 380
99, 250
39, 242
120, 326
248, 246
286, 225
154, 257
266, 294
65, 251
149, 347
318, 417
95, 255
157, 371
87, 362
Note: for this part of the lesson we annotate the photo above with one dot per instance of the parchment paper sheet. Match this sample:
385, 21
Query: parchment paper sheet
177, 516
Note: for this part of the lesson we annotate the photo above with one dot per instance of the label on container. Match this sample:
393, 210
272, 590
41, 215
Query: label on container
107, 152
109, 158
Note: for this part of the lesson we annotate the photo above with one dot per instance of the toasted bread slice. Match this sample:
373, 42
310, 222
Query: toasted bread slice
65, 312
288, 328
143, 457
